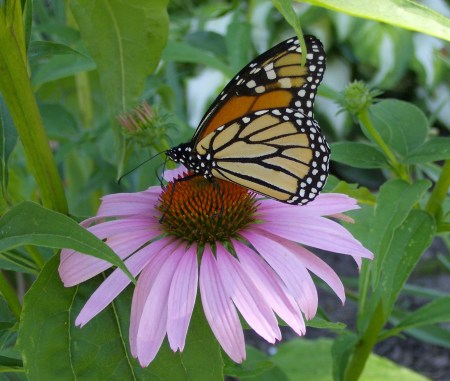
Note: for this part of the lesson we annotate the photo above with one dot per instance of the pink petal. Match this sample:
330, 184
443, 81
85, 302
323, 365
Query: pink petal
172, 174
183, 291
115, 283
289, 269
247, 298
271, 286
219, 309
314, 264
153, 322
129, 224
324, 204
129, 204
318, 232
144, 285
76, 268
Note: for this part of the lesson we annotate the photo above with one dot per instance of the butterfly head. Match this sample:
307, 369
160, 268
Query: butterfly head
180, 153
184, 154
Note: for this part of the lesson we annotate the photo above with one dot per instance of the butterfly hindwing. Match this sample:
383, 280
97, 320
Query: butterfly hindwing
275, 79
260, 132
280, 153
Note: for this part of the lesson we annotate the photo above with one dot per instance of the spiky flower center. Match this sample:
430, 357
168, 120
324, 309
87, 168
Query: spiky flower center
200, 210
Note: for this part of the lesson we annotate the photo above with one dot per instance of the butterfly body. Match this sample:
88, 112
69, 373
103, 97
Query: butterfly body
260, 132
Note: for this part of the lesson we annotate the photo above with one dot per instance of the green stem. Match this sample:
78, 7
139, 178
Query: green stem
16, 89
398, 168
365, 345
10, 296
439, 193
36, 256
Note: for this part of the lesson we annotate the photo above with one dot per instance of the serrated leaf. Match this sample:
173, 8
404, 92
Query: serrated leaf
126, 40
409, 241
404, 13
30, 224
359, 155
432, 150
402, 126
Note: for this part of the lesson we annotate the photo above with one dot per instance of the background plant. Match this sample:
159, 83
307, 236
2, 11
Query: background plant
69, 73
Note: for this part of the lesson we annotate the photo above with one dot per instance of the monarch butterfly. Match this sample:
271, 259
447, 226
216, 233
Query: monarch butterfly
260, 132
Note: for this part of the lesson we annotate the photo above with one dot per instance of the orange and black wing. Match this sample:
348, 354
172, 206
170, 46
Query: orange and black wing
279, 153
275, 79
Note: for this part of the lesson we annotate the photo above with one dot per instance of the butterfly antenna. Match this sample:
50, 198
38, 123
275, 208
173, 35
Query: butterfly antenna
140, 165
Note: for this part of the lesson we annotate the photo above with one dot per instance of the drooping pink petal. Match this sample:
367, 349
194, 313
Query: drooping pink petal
183, 291
289, 269
314, 264
219, 309
115, 283
271, 286
129, 204
247, 298
171, 174
144, 285
324, 204
153, 323
76, 268
318, 232
130, 224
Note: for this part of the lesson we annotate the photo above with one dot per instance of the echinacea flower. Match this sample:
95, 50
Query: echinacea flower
243, 253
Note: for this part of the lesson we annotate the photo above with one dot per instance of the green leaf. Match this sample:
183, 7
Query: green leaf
359, 155
403, 13
408, 243
257, 366
437, 311
432, 334
182, 52
361, 194
341, 351
100, 350
238, 40
317, 322
8, 139
61, 66
126, 40
312, 360
31, 224
64, 352
286, 9
395, 201
402, 125
44, 49
16, 260
432, 150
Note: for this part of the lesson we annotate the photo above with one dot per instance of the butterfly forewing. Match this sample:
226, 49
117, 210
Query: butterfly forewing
260, 132
275, 79
279, 153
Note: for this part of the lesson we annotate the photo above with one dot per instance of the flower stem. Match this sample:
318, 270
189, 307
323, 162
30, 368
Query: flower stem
398, 168
16, 89
437, 197
364, 347
10, 296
